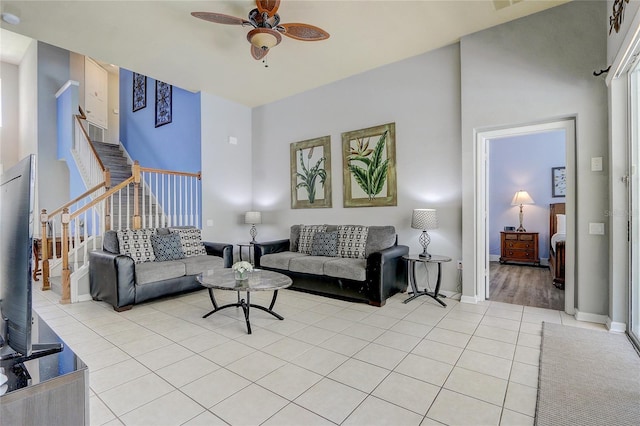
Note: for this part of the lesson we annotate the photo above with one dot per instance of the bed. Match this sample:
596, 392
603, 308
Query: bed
558, 235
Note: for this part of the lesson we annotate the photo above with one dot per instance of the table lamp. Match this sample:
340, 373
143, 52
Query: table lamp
521, 197
424, 219
253, 218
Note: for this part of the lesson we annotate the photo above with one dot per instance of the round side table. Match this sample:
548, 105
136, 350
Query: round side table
412, 261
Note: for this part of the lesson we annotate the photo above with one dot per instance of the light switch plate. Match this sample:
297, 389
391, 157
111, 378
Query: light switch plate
209, 222
596, 164
233, 140
596, 228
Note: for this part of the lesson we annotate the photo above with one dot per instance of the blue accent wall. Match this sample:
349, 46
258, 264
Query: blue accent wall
523, 162
173, 146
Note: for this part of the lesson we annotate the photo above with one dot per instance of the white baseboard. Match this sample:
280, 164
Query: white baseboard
469, 299
451, 294
84, 298
585, 316
496, 258
617, 327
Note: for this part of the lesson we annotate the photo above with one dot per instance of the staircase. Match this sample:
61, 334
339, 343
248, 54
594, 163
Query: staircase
115, 160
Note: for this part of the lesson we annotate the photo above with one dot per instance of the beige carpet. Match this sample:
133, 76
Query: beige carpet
587, 377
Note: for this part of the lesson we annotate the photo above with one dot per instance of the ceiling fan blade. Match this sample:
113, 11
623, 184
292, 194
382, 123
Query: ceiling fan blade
258, 52
220, 18
304, 32
269, 6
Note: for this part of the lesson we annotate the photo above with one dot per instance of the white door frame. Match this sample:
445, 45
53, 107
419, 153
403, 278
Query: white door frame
482, 138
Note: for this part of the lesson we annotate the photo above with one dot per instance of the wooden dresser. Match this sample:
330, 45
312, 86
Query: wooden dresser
521, 247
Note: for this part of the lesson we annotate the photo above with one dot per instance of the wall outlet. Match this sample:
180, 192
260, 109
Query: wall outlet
459, 264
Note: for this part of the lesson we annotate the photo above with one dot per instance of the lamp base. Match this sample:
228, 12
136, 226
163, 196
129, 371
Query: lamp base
425, 239
521, 229
425, 255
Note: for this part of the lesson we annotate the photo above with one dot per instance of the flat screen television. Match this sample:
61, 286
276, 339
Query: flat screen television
17, 201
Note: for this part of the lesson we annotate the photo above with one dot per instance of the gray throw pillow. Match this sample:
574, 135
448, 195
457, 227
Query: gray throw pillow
167, 247
325, 244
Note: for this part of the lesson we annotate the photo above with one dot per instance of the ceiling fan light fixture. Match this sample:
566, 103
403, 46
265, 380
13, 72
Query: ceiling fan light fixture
264, 38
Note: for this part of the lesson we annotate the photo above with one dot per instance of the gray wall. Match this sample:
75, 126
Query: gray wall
422, 96
531, 70
9, 134
53, 73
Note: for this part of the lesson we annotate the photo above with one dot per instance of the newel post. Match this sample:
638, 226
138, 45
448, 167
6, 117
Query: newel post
107, 201
66, 273
44, 251
137, 221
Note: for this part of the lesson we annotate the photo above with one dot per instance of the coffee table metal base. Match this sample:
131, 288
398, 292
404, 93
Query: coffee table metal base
245, 305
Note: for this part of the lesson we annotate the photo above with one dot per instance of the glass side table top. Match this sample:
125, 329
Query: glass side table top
434, 258
259, 280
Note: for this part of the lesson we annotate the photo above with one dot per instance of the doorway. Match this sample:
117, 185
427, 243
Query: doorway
525, 165
482, 214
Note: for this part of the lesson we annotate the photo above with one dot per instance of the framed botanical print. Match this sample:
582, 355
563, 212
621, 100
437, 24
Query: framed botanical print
163, 103
369, 167
558, 182
139, 91
311, 173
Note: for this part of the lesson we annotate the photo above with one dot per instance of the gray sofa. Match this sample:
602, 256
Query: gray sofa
116, 278
371, 278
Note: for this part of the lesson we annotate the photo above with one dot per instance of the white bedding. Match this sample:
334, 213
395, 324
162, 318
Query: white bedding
557, 237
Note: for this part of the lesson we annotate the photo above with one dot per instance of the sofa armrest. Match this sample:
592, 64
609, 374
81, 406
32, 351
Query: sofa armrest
386, 273
260, 249
223, 250
112, 278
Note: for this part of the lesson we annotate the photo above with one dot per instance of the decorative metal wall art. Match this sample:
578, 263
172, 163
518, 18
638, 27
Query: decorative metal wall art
311, 173
139, 91
369, 167
617, 15
163, 103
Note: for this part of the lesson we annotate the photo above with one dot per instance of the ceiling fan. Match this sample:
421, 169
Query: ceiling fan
266, 27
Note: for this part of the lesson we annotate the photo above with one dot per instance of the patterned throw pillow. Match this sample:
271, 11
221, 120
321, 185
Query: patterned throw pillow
325, 244
306, 236
136, 243
167, 247
191, 240
352, 241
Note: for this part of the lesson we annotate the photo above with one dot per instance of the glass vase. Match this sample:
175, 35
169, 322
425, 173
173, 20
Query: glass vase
241, 275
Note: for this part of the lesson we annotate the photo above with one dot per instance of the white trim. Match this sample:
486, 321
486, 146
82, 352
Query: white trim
453, 295
588, 317
84, 298
625, 55
65, 86
481, 230
496, 258
617, 327
469, 299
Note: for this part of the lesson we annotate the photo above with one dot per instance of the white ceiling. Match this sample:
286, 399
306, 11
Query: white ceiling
162, 40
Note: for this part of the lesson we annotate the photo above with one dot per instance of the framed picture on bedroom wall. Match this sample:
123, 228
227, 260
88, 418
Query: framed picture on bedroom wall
311, 173
558, 182
369, 167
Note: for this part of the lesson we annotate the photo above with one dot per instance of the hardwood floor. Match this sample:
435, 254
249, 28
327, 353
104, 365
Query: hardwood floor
524, 285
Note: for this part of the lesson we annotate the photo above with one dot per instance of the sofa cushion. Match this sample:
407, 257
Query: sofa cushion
279, 260
150, 272
351, 269
380, 238
352, 240
325, 244
110, 242
306, 236
198, 264
167, 247
136, 243
309, 264
191, 240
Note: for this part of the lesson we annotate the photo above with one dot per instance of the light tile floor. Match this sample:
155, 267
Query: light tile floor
328, 362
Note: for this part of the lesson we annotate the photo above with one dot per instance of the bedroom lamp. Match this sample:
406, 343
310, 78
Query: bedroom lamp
519, 199
424, 219
253, 218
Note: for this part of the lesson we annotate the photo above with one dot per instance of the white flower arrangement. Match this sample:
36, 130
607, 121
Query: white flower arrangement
242, 267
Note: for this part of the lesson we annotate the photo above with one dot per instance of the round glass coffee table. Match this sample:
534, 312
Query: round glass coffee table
259, 280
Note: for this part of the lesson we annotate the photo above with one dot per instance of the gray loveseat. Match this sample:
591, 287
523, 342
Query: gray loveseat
370, 273
124, 276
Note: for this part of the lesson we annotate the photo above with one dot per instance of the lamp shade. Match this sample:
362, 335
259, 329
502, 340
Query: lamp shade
253, 217
424, 219
522, 197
